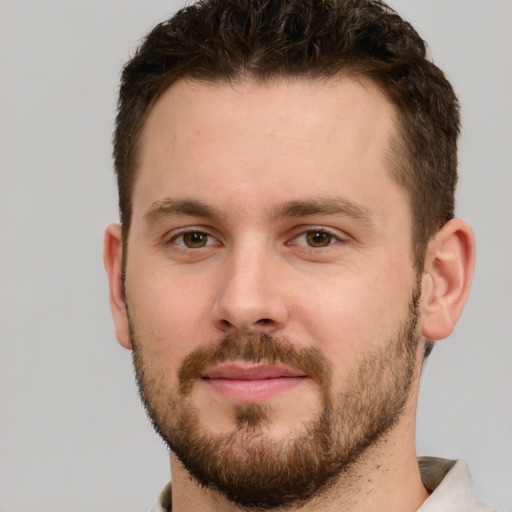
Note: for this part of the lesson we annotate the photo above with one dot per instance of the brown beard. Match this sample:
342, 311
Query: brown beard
246, 465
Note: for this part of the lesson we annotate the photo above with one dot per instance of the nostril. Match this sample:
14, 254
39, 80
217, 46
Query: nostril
225, 323
264, 321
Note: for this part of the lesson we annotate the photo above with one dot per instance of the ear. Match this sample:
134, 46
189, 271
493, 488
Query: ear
449, 264
113, 260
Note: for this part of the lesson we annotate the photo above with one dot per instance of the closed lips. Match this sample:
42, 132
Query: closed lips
244, 371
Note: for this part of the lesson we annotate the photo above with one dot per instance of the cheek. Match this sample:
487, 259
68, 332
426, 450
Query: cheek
353, 312
169, 316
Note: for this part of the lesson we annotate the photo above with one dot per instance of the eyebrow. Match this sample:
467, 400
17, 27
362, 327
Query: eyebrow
337, 206
170, 207
174, 207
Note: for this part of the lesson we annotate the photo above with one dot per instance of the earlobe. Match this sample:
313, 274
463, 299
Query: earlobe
447, 278
113, 260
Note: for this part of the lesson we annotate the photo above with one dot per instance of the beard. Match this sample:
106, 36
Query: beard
246, 464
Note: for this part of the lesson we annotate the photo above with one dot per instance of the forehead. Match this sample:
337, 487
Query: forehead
201, 107
266, 139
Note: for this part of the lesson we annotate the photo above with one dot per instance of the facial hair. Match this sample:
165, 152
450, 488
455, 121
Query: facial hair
248, 466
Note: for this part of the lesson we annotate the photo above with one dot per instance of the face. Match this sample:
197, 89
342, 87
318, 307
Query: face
270, 288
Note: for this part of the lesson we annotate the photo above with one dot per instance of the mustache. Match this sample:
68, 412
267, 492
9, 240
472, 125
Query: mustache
261, 348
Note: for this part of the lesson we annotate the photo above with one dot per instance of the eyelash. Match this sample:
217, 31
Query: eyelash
191, 232
332, 238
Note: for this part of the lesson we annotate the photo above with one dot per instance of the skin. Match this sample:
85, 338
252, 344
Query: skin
245, 152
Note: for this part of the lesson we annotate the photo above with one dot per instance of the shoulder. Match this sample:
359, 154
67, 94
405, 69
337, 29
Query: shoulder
451, 486
164, 500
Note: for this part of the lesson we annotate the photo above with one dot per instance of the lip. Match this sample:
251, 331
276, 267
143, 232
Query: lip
245, 382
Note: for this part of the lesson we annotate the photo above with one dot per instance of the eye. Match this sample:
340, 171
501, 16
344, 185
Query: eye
316, 238
193, 240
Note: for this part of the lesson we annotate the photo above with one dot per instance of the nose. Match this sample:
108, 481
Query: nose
251, 295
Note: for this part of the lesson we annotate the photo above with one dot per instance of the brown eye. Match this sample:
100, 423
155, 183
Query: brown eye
194, 239
318, 238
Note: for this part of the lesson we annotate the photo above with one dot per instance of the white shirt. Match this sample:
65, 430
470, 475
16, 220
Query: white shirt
451, 486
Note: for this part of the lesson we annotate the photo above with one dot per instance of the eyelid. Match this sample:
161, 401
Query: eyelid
172, 236
338, 236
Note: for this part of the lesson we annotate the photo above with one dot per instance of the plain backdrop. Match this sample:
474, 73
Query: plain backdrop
73, 436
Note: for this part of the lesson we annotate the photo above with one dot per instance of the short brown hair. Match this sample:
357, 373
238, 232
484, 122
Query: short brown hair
228, 40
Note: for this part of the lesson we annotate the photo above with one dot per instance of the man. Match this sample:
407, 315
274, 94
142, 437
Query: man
288, 253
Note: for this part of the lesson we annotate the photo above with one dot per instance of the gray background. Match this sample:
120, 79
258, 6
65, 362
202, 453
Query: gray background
72, 433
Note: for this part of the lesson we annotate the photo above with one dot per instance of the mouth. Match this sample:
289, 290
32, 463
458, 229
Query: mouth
246, 382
